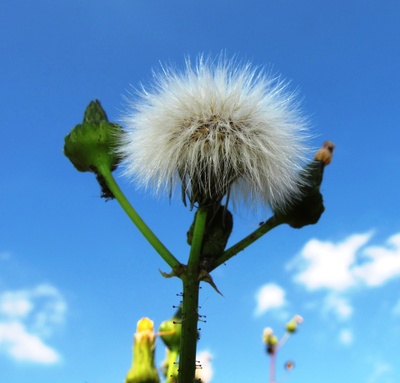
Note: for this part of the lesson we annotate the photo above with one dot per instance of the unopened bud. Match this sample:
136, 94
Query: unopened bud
143, 369
90, 146
270, 340
291, 326
170, 331
92, 143
267, 334
289, 365
308, 209
325, 153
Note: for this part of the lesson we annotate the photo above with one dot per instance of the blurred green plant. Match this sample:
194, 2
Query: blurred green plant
274, 344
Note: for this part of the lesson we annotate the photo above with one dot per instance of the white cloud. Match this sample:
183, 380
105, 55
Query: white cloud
346, 337
24, 346
269, 296
383, 263
339, 306
205, 373
27, 317
328, 265
340, 266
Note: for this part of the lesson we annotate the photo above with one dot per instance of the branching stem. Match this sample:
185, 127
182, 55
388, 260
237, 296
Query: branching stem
136, 219
271, 223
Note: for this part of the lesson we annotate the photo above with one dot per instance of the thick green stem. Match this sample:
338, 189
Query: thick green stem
272, 222
136, 219
190, 304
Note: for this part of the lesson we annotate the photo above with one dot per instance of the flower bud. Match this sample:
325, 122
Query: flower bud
143, 369
170, 331
291, 326
91, 144
270, 340
289, 365
325, 153
267, 334
308, 208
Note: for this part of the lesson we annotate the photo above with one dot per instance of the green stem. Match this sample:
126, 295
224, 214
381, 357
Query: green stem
172, 367
136, 219
190, 304
272, 222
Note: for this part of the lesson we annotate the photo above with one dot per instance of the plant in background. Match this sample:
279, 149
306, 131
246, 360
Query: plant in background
220, 132
273, 345
143, 367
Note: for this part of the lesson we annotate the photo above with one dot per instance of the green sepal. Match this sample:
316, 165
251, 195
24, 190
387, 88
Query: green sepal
219, 224
94, 113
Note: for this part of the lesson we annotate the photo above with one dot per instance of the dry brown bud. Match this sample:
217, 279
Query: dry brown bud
325, 153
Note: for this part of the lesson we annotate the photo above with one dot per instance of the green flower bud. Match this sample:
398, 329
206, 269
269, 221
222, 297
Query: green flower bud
91, 145
291, 326
270, 340
170, 331
143, 369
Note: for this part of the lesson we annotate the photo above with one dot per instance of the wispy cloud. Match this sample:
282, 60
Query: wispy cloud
346, 337
396, 309
380, 370
27, 318
269, 296
339, 306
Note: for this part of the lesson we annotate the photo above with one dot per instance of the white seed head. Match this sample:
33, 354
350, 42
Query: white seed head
216, 128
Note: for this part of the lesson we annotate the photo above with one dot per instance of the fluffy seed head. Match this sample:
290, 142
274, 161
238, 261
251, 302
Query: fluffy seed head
217, 128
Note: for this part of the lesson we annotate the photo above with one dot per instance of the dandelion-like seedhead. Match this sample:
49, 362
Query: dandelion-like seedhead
217, 128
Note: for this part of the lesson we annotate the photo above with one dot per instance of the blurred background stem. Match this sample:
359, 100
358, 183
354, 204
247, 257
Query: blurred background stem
190, 304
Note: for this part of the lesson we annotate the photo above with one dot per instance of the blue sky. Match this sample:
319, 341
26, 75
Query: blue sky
75, 275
